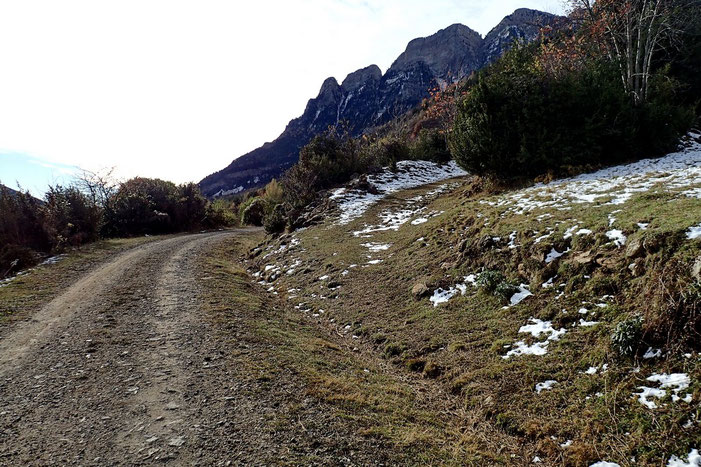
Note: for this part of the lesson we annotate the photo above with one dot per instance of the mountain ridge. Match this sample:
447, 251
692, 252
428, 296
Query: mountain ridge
366, 98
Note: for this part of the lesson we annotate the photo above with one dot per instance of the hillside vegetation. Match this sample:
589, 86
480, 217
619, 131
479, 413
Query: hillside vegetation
558, 322
556, 106
542, 306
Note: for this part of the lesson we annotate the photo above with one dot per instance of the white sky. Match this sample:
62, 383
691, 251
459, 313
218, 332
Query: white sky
177, 89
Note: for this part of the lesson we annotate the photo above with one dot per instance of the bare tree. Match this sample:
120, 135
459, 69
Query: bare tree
632, 32
99, 186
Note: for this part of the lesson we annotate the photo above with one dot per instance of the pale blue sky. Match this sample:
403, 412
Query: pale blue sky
178, 88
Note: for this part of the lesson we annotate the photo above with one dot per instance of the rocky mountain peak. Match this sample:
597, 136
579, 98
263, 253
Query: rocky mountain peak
449, 53
367, 98
522, 25
358, 79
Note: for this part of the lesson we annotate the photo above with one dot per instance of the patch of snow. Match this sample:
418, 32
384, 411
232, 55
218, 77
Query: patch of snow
419, 221
617, 237
679, 171
375, 247
536, 328
692, 460
442, 296
375, 261
554, 254
694, 232
676, 382
410, 174
521, 295
652, 353
604, 464
588, 324
545, 386
521, 348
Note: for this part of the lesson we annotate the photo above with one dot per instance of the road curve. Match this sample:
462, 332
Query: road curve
99, 376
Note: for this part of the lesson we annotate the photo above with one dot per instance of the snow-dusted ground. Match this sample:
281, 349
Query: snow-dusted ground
679, 172
52, 260
409, 174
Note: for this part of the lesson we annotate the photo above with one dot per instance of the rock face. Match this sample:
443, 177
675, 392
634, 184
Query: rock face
367, 98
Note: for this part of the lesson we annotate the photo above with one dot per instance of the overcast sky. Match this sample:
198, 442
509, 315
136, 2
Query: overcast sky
177, 89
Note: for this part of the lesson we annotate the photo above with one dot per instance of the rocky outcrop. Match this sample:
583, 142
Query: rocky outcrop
523, 25
367, 98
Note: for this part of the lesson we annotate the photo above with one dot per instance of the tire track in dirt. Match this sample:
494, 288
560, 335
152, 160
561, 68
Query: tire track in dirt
98, 374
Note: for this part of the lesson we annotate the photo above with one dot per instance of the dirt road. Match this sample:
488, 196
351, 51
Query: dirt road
104, 374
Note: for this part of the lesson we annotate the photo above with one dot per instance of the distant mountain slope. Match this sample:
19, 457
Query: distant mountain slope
366, 98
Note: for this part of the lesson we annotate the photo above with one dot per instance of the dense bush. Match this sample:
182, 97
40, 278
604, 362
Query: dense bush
521, 121
22, 232
276, 220
69, 217
253, 212
432, 145
329, 159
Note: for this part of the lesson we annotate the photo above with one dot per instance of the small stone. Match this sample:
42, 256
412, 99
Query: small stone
176, 442
419, 290
172, 406
696, 269
634, 248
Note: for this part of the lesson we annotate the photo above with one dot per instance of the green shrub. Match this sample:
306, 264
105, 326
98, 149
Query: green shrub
490, 280
70, 217
22, 231
253, 212
276, 220
519, 121
221, 213
625, 339
504, 290
431, 145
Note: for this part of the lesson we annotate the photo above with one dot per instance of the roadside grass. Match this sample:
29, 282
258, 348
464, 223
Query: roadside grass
367, 396
456, 350
35, 287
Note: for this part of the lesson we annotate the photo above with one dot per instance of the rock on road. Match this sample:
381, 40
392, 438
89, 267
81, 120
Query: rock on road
114, 370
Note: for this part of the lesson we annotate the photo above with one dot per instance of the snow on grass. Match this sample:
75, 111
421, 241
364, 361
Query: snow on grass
652, 353
539, 327
521, 348
409, 174
554, 254
604, 464
521, 295
617, 237
588, 324
694, 232
692, 460
419, 221
545, 386
442, 296
676, 382
614, 185
536, 328
375, 247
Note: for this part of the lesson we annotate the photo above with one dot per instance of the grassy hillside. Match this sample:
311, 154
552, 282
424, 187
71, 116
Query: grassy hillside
556, 323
